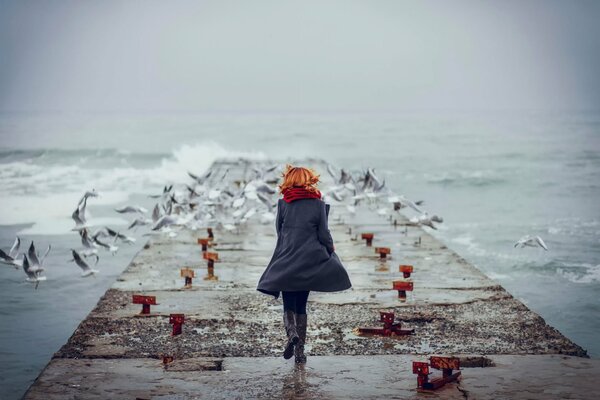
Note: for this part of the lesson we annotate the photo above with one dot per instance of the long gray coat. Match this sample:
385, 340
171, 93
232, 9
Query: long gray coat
303, 258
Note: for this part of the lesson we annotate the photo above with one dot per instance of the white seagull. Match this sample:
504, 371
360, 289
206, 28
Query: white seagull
131, 209
531, 241
11, 257
33, 274
86, 269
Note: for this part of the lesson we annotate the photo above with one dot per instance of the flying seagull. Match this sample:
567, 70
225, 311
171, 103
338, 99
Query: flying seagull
79, 216
11, 257
33, 274
86, 269
131, 209
531, 241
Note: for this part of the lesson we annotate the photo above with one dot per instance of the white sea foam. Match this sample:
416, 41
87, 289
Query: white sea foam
586, 274
40, 194
466, 177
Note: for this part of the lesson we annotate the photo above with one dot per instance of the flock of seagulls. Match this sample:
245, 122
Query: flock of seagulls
208, 199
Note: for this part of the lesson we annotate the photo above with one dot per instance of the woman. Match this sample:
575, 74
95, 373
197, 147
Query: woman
304, 257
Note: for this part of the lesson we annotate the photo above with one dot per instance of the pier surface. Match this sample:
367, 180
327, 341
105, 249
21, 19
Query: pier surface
233, 335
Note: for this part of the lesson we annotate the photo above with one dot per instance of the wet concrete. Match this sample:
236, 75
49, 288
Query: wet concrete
324, 377
454, 309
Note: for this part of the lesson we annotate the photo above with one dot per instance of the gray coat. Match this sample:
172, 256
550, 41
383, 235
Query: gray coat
303, 258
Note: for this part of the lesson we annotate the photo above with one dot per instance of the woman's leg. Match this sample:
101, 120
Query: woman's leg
289, 301
301, 300
301, 322
289, 322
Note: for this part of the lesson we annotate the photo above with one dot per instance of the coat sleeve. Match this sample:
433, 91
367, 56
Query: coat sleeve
278, 219
323, 230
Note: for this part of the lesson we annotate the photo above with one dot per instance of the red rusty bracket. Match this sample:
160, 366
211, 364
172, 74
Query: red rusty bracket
389, 327
211, 257
406, 270
204, 242
402, 287
383, 251
145, 301
210, 234
368, 237
188, 274
166, 360
446, 364
177, 321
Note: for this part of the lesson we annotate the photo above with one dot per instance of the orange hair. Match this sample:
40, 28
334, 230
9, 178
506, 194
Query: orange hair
299, 176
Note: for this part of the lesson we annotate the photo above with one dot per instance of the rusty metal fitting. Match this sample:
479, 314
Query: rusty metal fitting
188, 274
145, 301
177, 321
204, 242
368, 237
406, 270
446, 364
383, 252
402, 287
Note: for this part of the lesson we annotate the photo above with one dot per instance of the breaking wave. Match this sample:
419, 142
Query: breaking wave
41, 183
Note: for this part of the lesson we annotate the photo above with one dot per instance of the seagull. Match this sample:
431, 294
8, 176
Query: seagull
79, 216
89, 244
33, 275
401, 201
202, 179
139, 222
266, 201
11, 257
86, 269
166, 190
105, 231
107, 246
89, 193
36, 263
531, 241
165, 220
237, 203
131, 209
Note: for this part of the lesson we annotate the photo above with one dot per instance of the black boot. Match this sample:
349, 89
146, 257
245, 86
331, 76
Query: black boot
300, 358
292, 335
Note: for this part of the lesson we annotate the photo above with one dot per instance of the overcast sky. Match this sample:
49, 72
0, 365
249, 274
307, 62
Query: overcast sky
302, 55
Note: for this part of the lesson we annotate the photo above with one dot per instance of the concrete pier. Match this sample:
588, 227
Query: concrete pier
233, 335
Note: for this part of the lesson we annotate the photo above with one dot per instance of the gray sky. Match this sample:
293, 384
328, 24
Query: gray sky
301, 55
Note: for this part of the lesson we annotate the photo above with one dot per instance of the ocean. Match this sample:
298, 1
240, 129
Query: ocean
493, 176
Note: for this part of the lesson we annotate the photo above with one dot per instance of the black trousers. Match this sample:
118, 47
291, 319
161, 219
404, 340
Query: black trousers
295, 301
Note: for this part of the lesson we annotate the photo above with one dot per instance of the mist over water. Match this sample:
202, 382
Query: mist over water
494, 177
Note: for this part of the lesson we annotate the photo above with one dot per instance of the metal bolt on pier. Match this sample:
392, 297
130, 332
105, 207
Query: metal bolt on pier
204, 242
368, 237
177, 321
446, 364
211, 257
145, 301
402, 287
406, 270
188, 274
389, 327
383, 252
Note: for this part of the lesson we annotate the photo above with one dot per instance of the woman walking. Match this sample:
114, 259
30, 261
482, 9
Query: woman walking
304, 257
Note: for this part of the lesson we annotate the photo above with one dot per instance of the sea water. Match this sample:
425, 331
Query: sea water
492, 176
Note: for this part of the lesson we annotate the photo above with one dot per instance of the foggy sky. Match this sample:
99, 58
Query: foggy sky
302, 55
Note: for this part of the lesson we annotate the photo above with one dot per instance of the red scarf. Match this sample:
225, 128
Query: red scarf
295, 193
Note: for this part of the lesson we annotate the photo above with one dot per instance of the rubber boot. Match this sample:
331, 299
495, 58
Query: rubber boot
300, 357
289, 322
